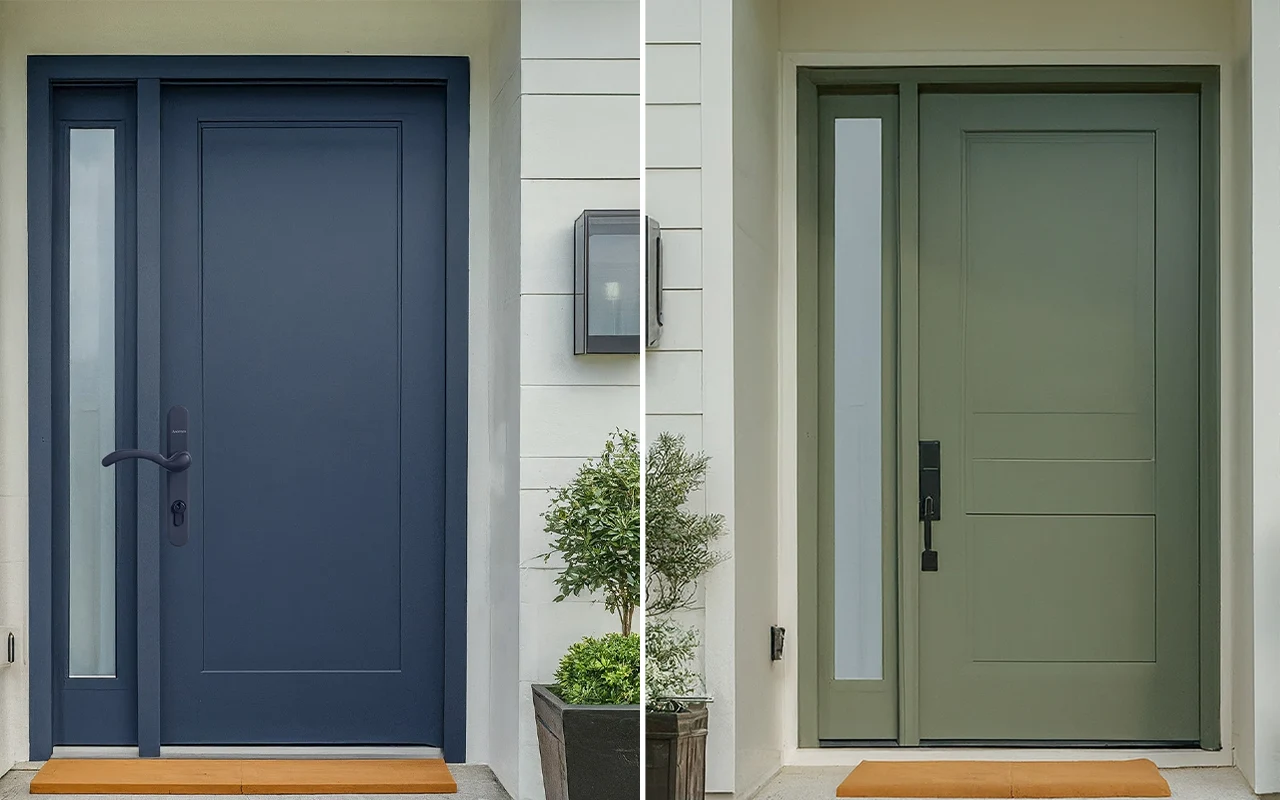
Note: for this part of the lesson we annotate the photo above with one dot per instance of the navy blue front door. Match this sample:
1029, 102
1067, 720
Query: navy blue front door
277, 245
303, 326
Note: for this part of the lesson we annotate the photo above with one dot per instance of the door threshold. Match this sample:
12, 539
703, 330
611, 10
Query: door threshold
255, 751
1165, 758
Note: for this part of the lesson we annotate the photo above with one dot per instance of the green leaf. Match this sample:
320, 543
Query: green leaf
601, 671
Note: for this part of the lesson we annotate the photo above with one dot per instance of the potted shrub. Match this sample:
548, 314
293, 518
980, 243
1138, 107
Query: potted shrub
678, 552
589, 719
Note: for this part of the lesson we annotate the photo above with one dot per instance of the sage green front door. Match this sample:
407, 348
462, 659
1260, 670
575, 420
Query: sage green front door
1058, 319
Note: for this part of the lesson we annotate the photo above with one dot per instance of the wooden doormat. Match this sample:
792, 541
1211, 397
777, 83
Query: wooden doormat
243, 776
1060, 779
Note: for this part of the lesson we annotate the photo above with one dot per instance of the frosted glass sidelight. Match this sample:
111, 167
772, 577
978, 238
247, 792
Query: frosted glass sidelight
859, 590
92, 403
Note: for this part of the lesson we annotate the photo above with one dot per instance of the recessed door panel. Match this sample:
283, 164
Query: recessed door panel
303, 326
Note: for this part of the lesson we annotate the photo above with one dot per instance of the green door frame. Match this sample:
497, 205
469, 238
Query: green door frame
906, 84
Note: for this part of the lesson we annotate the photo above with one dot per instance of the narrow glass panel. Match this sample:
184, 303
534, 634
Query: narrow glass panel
92, 388
859, 598
614, 308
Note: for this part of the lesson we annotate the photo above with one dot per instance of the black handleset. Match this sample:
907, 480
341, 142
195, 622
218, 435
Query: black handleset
930, 500
176, 464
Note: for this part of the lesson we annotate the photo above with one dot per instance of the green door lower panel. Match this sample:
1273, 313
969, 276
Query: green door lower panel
1059, 262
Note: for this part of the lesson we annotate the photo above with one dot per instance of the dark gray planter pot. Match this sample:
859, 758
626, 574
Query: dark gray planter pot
588, 752
675, 755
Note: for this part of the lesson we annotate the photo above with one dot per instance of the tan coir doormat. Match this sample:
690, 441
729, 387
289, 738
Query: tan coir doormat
243, 776
1136, 778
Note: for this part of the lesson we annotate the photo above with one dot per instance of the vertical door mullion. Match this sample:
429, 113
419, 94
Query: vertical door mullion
149, 416
909, 409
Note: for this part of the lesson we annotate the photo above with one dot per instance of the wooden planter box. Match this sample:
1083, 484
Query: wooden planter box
675, 762
588, 752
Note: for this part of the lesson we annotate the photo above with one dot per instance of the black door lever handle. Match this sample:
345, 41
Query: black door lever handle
177, 462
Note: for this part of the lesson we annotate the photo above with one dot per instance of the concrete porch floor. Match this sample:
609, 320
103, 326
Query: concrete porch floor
819, 783
475, 782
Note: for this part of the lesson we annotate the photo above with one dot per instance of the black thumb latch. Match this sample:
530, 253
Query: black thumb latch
930, 500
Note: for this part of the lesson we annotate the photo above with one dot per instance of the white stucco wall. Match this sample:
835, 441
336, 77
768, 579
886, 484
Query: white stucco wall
580, 121
501, 346
691, 190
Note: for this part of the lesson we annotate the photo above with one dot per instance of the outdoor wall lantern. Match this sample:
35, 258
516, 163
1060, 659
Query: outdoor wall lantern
607, 282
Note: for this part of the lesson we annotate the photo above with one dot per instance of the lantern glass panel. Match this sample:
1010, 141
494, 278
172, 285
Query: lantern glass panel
614, 284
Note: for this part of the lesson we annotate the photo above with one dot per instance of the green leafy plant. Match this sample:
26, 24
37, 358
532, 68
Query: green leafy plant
603, 671
669, 650
679, 550
594, 522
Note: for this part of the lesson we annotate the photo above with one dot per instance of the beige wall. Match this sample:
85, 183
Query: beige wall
974, 26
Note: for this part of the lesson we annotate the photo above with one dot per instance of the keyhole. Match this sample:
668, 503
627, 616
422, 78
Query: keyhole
179, 509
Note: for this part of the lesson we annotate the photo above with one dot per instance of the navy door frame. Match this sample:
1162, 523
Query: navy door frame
147, 74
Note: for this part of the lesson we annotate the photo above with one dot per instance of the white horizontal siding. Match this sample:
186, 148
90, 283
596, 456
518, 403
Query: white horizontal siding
581, 76
549, 472
580, 136
673, 136
673, 21
574, 420
533, 539
673, 382
580, 29
675, 197
548, 209
676, 153
682, 320
546, 357
687, 425
559, 625
682, 259
672, 73
580, 123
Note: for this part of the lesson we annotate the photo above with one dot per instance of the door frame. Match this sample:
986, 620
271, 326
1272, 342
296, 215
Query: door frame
147, 74
905, 82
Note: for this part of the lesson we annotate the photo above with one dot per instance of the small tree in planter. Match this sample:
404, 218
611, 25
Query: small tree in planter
678, 552
589, 720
